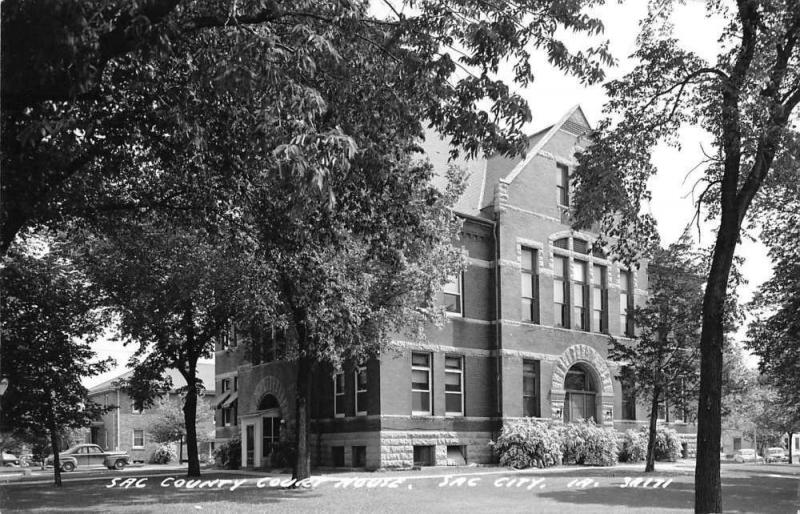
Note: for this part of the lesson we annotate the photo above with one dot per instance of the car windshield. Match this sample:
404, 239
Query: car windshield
72, 449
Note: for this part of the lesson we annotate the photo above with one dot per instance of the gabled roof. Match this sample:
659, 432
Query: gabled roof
205, 372
574, 122
483, 174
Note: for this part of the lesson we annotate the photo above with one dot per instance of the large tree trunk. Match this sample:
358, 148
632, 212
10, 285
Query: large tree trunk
302, 463
650, 466
54, 448
190, 416
708, 490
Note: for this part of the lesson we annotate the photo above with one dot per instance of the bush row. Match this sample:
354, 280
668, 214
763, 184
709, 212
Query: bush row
530, 443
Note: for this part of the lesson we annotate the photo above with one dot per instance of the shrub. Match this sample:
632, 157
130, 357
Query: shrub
164, 454
229, 455
668, 444
588, 444
632, 446
526, 443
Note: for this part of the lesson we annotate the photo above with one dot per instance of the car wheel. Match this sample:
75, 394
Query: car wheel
120, 464
67, 466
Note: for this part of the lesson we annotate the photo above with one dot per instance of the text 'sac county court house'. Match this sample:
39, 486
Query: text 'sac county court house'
525, 336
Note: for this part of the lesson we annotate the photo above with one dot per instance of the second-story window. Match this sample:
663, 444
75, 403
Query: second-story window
453, 295
338, 395
560, 291
530, 286
599, 299
625, 303
361, 390
562, 185
580, 295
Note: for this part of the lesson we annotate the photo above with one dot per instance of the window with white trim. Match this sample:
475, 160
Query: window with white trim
338, 395
421, 383
562, 185
580, 295
599, 299
138, 439
530, 286
360, 376
560, 291
453, 295
454, 385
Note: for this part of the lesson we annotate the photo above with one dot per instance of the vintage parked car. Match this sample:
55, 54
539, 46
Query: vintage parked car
85, 455
10, 460
777, 454
747, 455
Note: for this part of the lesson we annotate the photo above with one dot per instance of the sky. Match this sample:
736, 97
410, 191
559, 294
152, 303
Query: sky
552, 94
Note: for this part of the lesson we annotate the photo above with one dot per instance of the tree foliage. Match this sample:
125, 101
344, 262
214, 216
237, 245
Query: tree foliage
175, 290
662, 361
94, 92
51, 315
745, 100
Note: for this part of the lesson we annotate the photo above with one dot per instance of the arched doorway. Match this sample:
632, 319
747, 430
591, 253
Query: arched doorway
581, 388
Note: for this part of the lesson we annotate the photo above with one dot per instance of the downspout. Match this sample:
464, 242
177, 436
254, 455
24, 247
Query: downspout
498, 324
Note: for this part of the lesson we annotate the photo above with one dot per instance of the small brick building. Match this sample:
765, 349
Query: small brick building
124, 428
526, 335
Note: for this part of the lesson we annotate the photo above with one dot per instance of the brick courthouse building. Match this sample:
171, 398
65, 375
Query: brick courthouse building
525, 335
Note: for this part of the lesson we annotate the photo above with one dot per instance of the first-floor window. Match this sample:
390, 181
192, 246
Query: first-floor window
421, 383
138, 438
338, 395
628, 394
530, 388
454, 385
361, 390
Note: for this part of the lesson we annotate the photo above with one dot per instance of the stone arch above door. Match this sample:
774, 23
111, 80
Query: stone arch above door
582, 353
271, 385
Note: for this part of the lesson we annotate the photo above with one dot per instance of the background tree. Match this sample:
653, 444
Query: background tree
745, 100
170, 425
774, 335
51, 315
662, 361
175, 290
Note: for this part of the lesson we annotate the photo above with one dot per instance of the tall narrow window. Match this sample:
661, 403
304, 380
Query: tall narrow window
625, 303
452, 295
560, 291
338, 395
138, 438
454, 386
628, 394
530, 286
530, 388
580, 296
562, 185
361, 391
599, 299
421, 383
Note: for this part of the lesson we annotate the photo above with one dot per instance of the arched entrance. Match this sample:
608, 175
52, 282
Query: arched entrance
580, 399
265, 423
581, 386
